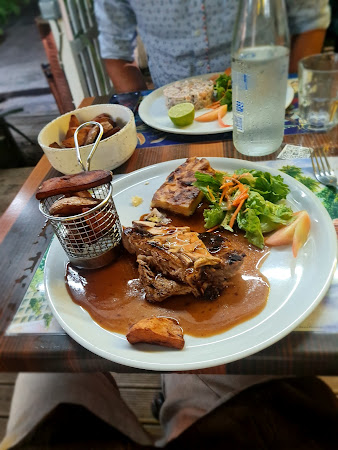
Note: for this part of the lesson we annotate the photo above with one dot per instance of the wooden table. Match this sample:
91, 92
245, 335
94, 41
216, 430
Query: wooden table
24, 238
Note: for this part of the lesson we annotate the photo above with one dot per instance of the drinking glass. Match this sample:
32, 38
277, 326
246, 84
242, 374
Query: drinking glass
318, 91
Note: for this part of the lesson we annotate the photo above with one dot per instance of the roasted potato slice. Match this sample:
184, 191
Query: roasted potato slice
83, 194
81, 138
69, 206
104, 118
163, 331
55, 145
92, 135
111, 132
74, 121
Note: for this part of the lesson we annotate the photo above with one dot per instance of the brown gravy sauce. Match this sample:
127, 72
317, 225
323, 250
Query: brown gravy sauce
115, 300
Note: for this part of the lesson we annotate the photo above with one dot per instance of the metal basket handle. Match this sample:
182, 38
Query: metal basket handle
96, 143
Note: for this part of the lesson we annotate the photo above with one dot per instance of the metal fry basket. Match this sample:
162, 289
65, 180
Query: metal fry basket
91, 239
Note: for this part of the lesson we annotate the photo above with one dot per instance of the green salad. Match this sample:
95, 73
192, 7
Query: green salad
251, 199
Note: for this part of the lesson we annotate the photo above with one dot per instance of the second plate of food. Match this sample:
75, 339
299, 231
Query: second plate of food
154, 112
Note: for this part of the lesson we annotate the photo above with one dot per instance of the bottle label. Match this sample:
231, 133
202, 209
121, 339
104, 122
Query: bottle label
243, 81
239, 123
239, 107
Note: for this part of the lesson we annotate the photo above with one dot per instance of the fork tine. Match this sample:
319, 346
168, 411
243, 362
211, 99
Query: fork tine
320, 166
312, 162
331, 172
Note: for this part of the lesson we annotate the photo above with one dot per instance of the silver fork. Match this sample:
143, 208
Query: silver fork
322, 169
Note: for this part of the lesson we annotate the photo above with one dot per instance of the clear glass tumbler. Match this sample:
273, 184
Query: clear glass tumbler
318, 91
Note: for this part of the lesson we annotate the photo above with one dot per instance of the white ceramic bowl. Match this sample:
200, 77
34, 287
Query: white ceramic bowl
110, 153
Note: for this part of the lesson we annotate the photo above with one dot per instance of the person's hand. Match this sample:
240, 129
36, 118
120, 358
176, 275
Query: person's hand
305, 44
125, 75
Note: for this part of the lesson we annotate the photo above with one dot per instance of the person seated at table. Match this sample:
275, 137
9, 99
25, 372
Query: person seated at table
187, 38
84, 411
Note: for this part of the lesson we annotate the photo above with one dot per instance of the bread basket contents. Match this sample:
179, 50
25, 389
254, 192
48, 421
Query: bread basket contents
81, 210
88, 134
116, 144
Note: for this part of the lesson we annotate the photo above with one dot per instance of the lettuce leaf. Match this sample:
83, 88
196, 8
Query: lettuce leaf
250, 223
223, 90
206, 182
271, 187
213, 216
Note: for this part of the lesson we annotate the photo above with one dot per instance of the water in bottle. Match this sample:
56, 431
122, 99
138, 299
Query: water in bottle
259, 85
260, 58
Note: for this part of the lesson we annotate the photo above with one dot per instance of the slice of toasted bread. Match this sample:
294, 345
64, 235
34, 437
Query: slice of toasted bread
177, 193
157, 330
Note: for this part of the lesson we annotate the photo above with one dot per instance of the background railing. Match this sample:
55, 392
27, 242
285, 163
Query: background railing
72, 23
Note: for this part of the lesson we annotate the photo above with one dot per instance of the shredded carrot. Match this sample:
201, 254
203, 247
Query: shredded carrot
242, 196
214, 104
213, 228
222, 197
233, 217
227, 185
231, 190
211, 194
243, 175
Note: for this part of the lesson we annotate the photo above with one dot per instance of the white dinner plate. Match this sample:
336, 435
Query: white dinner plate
154, 113
297, 284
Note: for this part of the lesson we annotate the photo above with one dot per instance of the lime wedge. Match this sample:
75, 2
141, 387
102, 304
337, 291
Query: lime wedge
182, 114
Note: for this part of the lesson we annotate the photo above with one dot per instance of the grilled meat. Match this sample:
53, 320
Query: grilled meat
175, 261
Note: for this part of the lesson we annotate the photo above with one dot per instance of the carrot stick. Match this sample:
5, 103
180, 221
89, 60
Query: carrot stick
213, 228
227, 185
214, 104
233, 217
222, 196
211, 194
241, 197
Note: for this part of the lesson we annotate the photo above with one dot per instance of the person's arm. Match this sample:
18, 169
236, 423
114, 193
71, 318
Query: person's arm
308, 21
125, 75
305, 44
117, 27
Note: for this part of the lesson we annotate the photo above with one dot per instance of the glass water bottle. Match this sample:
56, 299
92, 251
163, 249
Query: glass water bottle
260, 60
